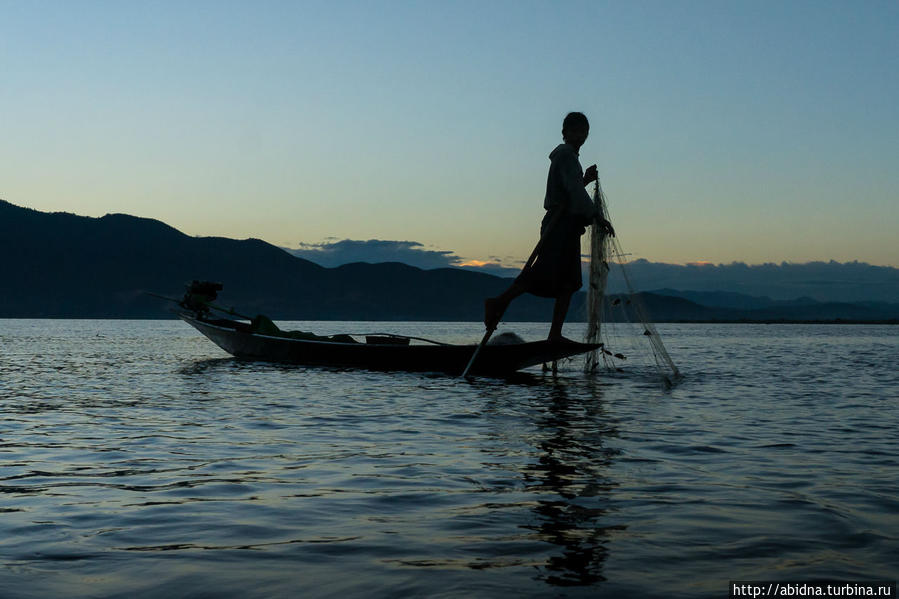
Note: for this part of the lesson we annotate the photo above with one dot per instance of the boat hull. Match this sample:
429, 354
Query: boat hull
451, 359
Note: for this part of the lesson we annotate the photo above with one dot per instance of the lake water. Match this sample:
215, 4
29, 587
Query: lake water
138, 460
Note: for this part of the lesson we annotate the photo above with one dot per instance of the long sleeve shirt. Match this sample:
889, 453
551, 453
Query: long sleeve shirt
565, 184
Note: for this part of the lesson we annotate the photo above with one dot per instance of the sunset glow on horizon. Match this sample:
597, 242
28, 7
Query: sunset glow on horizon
724, 132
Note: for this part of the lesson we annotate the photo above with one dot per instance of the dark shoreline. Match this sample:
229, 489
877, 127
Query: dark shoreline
789, 321
836, 321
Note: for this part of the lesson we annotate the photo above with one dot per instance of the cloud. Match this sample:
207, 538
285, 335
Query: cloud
345, 251
492, 267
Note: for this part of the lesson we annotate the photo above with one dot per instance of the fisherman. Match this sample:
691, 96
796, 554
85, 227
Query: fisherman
556, 272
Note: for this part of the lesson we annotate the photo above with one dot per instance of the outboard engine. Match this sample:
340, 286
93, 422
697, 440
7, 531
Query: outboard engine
199, 295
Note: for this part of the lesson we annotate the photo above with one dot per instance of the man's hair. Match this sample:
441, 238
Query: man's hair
575, 120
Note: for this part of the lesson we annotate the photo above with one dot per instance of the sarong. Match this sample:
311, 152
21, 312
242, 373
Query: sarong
557, 269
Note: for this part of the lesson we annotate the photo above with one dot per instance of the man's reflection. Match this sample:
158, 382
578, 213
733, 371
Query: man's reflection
570, 479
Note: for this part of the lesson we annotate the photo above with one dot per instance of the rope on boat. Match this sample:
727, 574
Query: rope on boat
232, 312
395, 336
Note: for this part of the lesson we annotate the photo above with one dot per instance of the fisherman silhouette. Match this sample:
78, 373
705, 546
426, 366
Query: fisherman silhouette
555, 271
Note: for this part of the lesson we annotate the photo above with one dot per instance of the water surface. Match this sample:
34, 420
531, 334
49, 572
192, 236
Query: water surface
138, 460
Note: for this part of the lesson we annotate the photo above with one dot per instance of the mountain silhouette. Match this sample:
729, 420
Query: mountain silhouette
60, 265
63, 265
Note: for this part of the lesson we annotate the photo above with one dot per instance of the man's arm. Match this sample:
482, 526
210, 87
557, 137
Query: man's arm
579, 201
591, 175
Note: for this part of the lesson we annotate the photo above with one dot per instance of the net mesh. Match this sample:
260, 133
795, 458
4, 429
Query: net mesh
621, 322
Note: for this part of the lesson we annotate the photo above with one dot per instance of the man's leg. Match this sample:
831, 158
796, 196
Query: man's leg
495, 307
560, 310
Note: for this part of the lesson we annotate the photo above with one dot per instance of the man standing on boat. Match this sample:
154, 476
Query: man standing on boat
556, 271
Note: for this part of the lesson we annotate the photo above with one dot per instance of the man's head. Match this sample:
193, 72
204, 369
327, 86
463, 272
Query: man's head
575, 129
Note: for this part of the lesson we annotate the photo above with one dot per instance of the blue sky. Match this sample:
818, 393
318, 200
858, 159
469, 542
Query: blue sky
750, 131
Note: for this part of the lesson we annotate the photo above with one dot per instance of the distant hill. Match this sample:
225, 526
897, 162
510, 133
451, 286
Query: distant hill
60, 265
823, 281
63, 265
733, 300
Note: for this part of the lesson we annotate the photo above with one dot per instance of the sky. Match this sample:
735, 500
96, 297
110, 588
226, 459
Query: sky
753, 131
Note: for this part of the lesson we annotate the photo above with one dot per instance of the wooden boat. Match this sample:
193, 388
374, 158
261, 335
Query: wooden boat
380, 353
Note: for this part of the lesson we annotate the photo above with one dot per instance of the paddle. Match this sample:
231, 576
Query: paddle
527, 266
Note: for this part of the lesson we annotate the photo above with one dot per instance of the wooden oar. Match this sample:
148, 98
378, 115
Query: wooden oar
527, 266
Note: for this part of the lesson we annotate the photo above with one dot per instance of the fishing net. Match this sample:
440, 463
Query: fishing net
621, 322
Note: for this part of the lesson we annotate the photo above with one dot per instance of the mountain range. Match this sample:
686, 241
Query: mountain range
60, 265
829, 281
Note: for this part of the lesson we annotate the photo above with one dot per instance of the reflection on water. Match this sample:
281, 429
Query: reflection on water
137, 460
200, 367
572, 475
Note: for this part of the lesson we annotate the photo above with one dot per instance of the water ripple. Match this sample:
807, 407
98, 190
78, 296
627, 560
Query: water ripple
136, 460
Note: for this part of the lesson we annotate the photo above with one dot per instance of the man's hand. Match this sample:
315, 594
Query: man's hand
590, 175
607, 227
